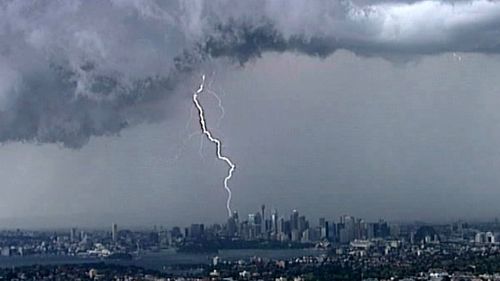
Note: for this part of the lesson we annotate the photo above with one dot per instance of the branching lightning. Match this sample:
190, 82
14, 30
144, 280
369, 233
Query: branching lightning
216, 96
219, 103
217, 142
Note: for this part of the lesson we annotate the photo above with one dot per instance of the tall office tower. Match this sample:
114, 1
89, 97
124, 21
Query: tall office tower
72, 235
364, 229
258, 225
325, 231
384, 229
303, 225
294, 220
344, 236
258, 218
114, 231
232, 227
287, 227
263, 211
349, 227
281, 225
295, 236
371, 230
263, 216
251, 219
235, 216
274, 222
359, 229
333, 232
268, 227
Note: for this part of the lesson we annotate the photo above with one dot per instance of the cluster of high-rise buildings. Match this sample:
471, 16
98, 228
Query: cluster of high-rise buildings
297, 228
292, 227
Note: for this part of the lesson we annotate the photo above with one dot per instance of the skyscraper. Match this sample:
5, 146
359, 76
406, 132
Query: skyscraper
114, 232
325, 231
232, 227
263, 222
235, 216
294, 220
274, 224
72, 235
281, 226
263, 211
303, 224
252, 219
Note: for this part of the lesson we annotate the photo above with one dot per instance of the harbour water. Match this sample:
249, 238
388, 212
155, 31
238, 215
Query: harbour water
161, 260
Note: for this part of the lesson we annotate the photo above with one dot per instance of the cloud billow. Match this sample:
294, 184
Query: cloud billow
70, 70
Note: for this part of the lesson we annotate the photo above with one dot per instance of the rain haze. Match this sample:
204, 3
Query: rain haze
371, 108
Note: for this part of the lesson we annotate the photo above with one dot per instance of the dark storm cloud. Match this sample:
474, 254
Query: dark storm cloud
70, 70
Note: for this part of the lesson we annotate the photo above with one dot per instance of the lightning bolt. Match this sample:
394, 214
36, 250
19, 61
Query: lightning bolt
219, 103
216, 141
216, 96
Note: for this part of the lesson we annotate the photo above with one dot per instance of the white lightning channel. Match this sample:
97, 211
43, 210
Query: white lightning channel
221, 107
217, 142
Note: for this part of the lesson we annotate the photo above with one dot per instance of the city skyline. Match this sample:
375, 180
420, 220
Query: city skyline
277, 230
272, 214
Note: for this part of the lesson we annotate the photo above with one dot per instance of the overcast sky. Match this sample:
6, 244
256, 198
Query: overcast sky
382, 111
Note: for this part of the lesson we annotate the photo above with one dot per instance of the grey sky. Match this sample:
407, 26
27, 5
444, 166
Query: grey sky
388, 123
342, 135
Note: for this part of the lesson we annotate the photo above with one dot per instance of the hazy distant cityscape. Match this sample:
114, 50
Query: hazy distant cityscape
256, 230
348, 248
